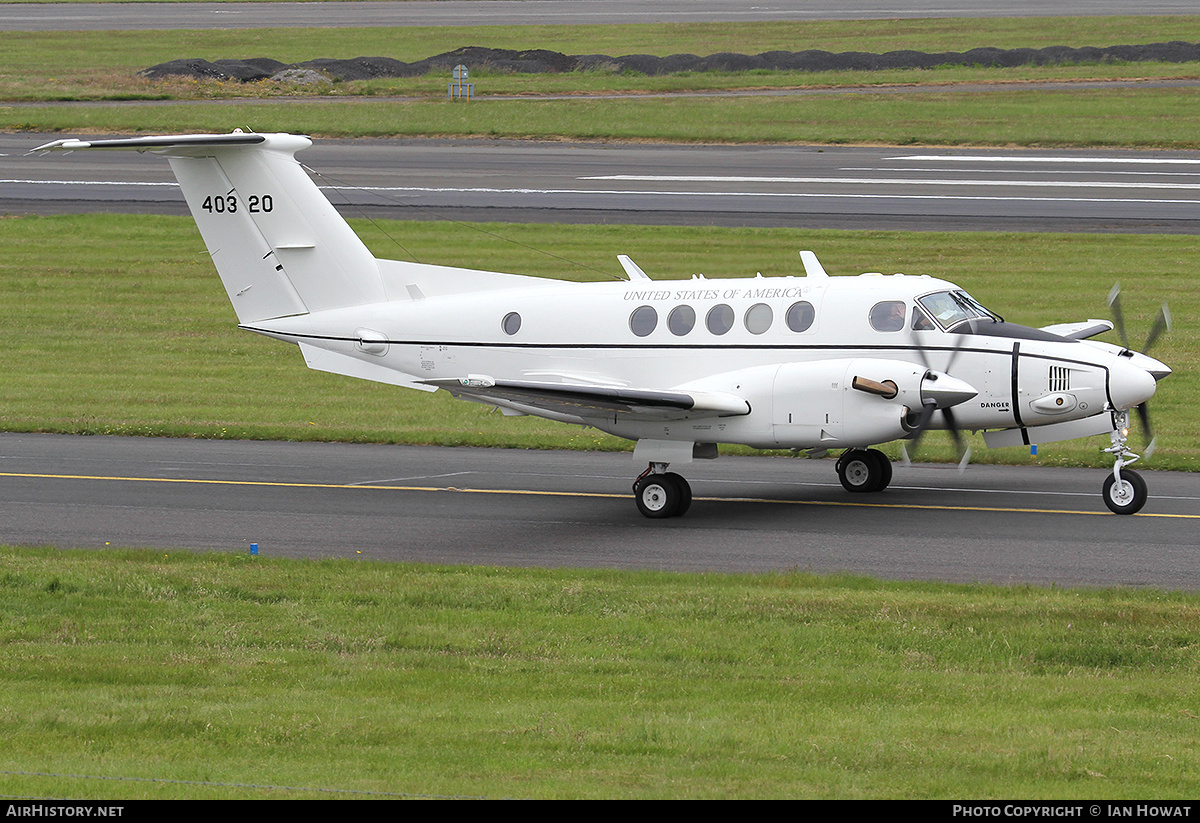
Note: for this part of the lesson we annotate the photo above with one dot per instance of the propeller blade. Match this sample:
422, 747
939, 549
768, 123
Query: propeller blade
928, 408
960, 342
960, 447
1144, 416
1114, 304
1162, 323
919, 430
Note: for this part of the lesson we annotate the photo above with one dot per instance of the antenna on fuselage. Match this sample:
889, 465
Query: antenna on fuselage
631, 268
812, 266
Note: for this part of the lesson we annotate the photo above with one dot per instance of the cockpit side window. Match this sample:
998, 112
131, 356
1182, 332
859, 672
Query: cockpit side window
888, 315
921, 321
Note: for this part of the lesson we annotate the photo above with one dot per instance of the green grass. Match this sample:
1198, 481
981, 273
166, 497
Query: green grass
117, 324
359, 676
56, 64
1159, 118
103, 66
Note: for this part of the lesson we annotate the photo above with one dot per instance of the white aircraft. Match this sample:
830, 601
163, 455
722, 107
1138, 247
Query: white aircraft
808, 363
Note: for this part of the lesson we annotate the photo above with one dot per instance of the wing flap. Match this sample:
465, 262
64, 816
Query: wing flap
579, 400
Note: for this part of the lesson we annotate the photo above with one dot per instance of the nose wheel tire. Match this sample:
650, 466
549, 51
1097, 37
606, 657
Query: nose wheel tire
864, 470
1127, 495
663, 495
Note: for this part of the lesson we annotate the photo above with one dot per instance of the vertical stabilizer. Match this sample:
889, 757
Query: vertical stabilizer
278, 244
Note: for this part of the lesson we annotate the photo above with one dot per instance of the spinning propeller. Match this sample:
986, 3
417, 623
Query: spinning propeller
931, 405
1162, 323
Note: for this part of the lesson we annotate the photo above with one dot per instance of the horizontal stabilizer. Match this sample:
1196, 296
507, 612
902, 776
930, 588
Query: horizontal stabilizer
183, 142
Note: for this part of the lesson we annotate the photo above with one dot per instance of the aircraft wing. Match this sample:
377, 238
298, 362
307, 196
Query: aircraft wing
1080, 330
588, 401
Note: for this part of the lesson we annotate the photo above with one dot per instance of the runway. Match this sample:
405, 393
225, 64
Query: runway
799, 186
146, 16
574, 509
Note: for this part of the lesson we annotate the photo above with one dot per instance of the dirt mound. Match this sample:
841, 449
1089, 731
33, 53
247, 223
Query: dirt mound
539, 61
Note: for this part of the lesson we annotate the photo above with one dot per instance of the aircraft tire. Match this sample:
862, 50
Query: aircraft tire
685, 494
885, 465
862, 470
662, 495
1126, 497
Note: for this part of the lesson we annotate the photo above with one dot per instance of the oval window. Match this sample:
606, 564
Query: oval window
719, 319
511, 323
758, 318
888, 315
643, 320
800, 316
681, 320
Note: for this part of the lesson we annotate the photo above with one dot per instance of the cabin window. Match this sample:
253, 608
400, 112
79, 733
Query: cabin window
643, 320
719, 319
511, 323
758, 318
681, 320
800, 316
888, 315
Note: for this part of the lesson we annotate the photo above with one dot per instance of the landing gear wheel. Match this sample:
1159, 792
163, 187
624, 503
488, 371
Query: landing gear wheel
885, 476
662, 495
1127, 496
864, 470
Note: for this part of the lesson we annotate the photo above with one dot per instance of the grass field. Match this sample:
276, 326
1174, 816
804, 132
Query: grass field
63, 65
103, 66
268, 678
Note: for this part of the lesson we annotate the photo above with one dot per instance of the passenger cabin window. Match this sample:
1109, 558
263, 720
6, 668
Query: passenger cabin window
758, 318
888, 315
643, 320
719, 319
511, 323
681, 320
800, 316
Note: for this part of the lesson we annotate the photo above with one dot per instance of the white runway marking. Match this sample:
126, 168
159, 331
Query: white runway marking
893, 181
964, 158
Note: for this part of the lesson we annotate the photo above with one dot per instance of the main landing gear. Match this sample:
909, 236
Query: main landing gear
1124, 489
864, 470
660, 493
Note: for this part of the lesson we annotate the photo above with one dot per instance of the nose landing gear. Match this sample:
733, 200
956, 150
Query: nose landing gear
1124, 490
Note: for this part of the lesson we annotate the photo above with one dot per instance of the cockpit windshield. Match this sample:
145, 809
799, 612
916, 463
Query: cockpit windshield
949, 308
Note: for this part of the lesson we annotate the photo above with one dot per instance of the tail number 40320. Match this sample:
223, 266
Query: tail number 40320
228, 204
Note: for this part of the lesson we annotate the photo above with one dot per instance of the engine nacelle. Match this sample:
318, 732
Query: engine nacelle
822, 405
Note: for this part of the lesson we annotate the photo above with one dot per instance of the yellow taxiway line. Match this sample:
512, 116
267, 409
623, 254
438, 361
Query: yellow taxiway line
533, 492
